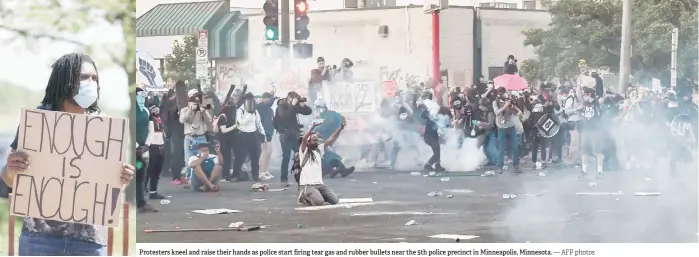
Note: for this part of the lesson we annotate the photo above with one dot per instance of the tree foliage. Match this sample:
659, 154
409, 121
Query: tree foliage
591, 30
181, 63
529, 69
56, 21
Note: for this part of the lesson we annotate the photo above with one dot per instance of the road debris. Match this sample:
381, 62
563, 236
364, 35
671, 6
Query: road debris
216, 211
444, 179
259, 199
459, 191
238, 224
592, 184
488, 173
410, 223
415, 173
542, 174
164, 201
509, 196
450, 196
435, 193
259, 187
242, 229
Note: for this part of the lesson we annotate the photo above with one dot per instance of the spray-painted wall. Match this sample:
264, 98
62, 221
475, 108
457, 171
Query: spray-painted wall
403, 56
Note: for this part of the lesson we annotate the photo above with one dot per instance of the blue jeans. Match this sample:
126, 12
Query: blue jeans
36, 244
490, 148
190, 149
505, 135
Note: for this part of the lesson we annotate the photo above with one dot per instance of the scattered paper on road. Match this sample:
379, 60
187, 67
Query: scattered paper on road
217, 211
454, 237
277, 189
238, 224
356, 200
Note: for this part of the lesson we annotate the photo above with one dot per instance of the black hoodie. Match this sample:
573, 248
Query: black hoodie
285, 117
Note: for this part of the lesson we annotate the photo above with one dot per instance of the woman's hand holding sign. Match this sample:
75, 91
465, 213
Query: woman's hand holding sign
127, 173
17, 161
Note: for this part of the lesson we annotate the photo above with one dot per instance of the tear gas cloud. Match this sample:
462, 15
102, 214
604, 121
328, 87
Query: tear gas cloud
559, 213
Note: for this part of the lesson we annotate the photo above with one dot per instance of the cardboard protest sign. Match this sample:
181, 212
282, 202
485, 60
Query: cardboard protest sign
389, 88
75, 167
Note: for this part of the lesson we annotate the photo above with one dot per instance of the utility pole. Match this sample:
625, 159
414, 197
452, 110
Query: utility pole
285, 37
673, 58
625, 62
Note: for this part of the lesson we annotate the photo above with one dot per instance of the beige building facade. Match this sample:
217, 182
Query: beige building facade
404, 54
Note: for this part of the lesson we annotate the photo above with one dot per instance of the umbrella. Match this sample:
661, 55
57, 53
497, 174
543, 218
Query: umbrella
510, 82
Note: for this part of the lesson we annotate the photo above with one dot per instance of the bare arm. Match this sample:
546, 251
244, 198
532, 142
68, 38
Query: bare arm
304, 141
185, 115
151, 131
331, 140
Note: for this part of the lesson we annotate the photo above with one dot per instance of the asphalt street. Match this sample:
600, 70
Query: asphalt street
545, 209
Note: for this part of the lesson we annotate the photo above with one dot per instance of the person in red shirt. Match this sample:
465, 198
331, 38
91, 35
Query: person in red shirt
318, 75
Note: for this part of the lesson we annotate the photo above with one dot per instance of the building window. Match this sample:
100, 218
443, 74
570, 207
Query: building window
529, 5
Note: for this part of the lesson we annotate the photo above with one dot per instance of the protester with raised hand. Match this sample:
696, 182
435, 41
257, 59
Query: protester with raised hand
73, 87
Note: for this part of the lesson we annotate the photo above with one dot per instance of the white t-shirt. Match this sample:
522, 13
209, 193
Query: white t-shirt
211, 157
311, 172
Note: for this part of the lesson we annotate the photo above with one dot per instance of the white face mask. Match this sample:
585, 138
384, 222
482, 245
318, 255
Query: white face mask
87, 94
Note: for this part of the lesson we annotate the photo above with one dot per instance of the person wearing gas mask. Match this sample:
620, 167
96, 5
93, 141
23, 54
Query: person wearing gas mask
249, 138
506, 115
330, 121
196, 119
544, 104
485, 124
434, 128
593, 139
344, 72
405, 132
287, 125
156, 143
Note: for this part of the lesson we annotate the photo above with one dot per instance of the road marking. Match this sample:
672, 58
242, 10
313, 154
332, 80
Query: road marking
356, 200
418, 213
325, 207
454, 237
600, 193
459, 191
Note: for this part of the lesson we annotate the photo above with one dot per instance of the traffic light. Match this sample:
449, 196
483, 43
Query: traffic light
301, 20
271, 19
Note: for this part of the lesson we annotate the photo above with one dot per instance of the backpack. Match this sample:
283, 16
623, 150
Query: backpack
296, 166
215, 128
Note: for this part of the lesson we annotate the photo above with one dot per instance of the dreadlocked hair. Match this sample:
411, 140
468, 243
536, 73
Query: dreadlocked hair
64, 82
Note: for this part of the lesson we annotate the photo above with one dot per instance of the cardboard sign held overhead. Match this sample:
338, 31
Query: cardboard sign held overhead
75, 167
389, 88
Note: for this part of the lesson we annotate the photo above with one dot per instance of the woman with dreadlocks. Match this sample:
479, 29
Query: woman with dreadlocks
73, 87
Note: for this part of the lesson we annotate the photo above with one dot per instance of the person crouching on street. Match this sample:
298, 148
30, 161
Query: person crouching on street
206, 169
312, 191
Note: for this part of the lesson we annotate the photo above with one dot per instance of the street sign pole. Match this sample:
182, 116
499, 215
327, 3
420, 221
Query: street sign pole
673, 61
202, 58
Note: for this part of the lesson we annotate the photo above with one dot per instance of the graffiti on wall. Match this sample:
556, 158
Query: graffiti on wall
355, 97
401, 78
258, 79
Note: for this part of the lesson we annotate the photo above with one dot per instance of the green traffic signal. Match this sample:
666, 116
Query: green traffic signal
271, 34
